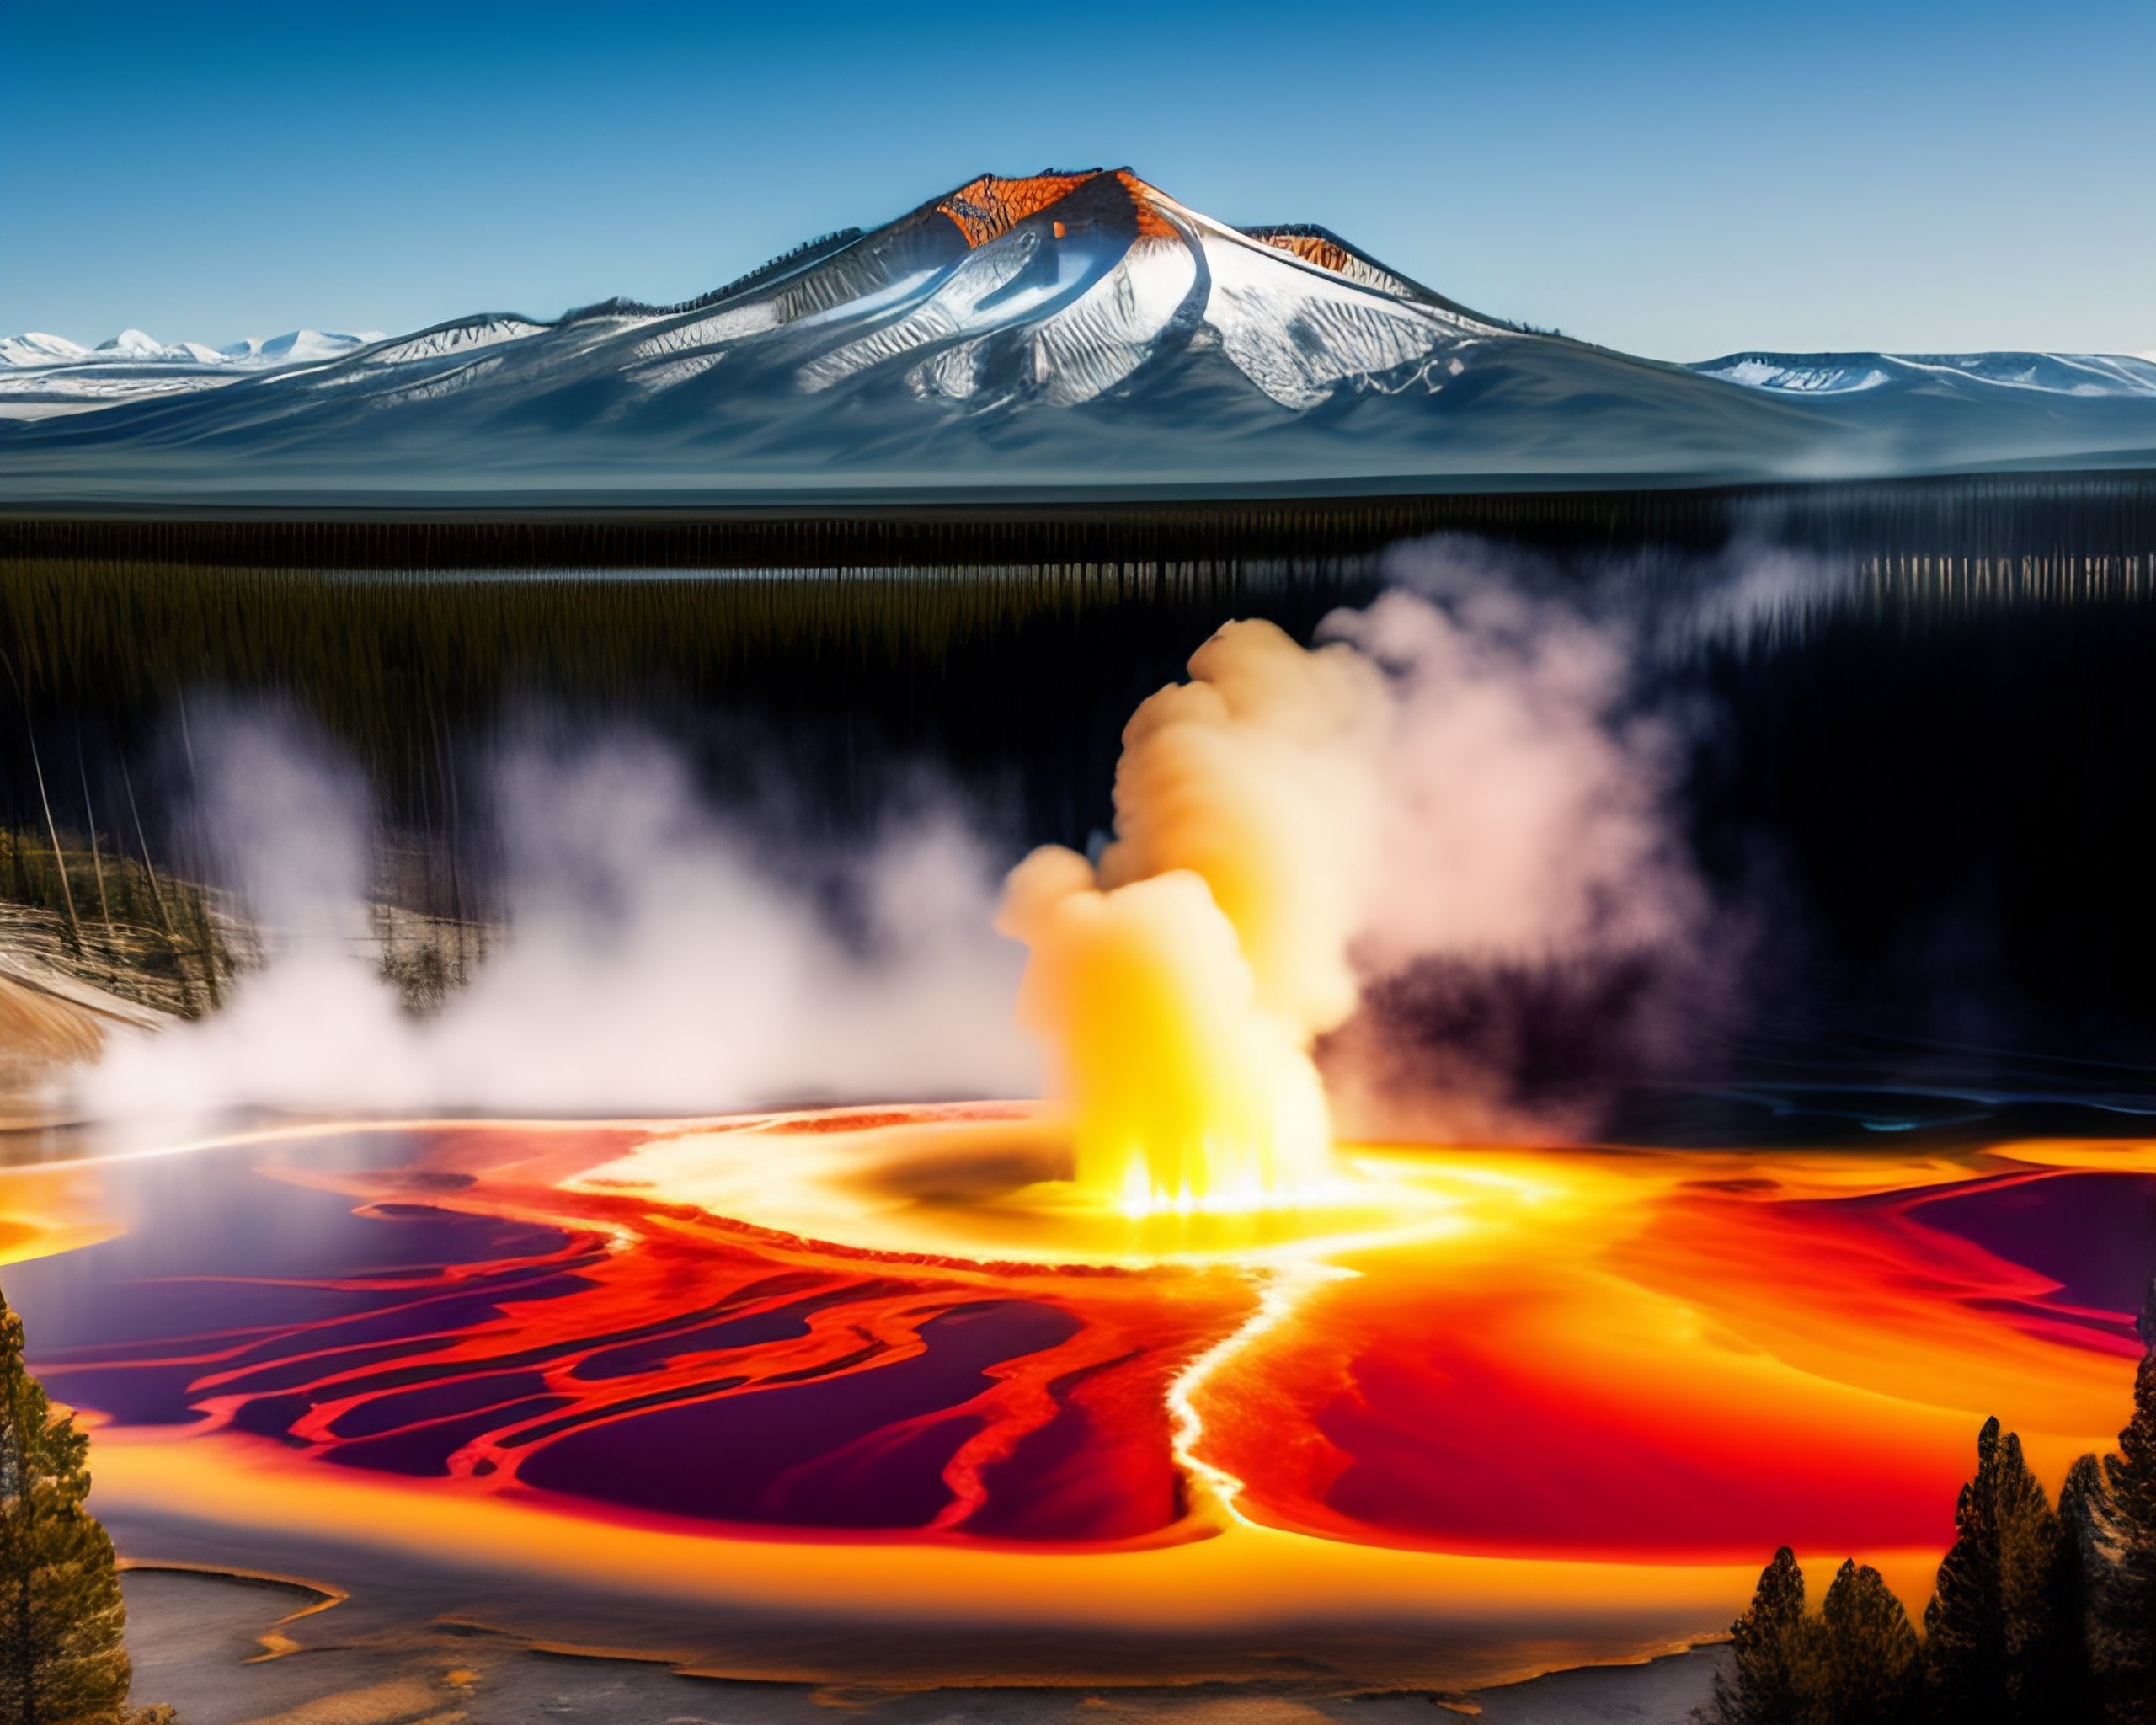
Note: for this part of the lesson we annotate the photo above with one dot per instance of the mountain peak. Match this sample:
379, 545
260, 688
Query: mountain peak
1070, 328
34, 347
133, 341
987, 207
990, 205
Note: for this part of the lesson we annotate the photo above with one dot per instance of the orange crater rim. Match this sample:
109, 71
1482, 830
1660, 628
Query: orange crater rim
990, 205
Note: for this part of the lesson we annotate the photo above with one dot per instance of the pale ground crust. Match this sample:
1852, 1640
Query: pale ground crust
215, 1646
56, 1010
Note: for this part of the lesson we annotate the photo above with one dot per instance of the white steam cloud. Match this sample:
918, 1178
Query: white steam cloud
1526, 924
1537, 931
1526, 815
656, 958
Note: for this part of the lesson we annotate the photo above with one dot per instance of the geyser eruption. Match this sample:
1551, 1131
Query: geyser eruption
1445, 832
1182, 981
1438, 853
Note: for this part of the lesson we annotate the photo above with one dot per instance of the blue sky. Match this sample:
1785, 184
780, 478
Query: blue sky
1678, 179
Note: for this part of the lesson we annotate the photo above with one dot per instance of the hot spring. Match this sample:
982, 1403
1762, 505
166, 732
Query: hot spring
1486, 1114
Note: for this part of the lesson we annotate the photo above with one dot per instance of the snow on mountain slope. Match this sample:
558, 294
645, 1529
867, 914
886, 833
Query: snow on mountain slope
33, 349
132, 347
461, 336
1835, 374
298, 346
1298, 337
134, 344
1056, 330
45, 376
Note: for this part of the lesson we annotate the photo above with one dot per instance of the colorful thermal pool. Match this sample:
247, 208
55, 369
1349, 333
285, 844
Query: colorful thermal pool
843, 1362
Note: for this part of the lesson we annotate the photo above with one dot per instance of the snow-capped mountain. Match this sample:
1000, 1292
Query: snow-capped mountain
44, 377
1842, 374
132, 347
1064, 331
33, 348
297, 347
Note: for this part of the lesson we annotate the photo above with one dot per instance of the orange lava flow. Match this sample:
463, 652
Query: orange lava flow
1152, 223
1562, 1356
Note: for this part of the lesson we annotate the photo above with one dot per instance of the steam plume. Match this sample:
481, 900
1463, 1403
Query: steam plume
1538, 933
1445, 837
1182, 982
1436, 857
655, 958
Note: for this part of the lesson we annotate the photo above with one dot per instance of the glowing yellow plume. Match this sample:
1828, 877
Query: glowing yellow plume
1181, 984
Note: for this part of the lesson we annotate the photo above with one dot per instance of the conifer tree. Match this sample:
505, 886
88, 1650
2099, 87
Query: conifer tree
1965, 1643
62, 1660
2083, 1585
1991, 1631
1775, 1675
2124, 1596
1873, 1667
2033, 1568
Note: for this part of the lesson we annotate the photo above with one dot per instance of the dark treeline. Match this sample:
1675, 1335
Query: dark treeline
1013, 683
1985, 515
1950, 785
1919, 782
809, 251
2039, 1615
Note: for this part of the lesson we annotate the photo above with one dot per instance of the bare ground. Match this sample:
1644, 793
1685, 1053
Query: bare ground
52, 1018
199, 1641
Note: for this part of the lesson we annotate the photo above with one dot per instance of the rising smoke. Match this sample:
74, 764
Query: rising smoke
1445, 840
1440, 855
657, 957
1538, 932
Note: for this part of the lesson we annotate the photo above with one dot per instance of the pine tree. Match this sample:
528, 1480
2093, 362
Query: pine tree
62, 1660
2033, 1559
1965, 1643
1991, 1632
1775, 1675
2083, 1585
1874, 1670
2125, 1597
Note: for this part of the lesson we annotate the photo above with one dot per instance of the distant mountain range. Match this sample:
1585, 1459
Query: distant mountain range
135, 351
1065, 333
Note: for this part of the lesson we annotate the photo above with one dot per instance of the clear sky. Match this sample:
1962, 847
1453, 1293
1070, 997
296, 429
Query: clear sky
1678, 179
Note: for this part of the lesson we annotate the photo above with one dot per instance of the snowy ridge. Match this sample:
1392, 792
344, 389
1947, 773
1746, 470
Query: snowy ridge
33, 348
298, 347
132, 347
1067, 328
460, 337
1835, 374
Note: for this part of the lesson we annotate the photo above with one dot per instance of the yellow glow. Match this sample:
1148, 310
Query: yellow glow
991, 1181
1644, 1284
1248, 1574
1180, 985
1185, 1094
